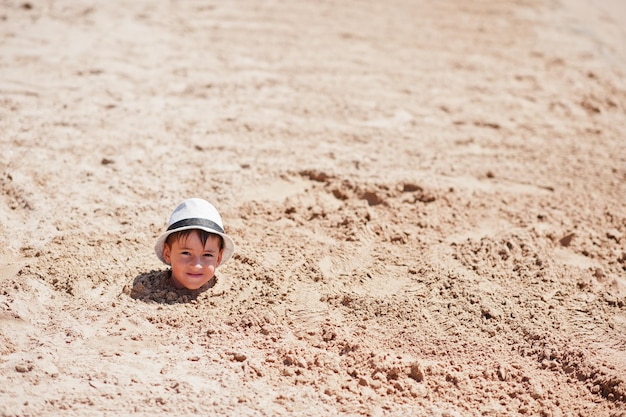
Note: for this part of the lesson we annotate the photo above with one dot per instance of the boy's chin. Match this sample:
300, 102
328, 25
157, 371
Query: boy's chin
180, 284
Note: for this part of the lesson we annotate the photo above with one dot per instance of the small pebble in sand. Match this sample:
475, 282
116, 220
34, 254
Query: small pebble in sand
24, 367
567, 239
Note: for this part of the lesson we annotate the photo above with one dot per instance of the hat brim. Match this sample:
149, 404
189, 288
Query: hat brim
227, 253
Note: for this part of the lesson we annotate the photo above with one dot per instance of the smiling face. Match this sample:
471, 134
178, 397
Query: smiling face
193, 263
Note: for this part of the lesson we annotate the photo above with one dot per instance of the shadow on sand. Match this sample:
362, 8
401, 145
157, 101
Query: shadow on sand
156, 286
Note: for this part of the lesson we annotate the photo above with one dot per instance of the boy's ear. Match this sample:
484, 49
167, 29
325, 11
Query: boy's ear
167, 254
219, 258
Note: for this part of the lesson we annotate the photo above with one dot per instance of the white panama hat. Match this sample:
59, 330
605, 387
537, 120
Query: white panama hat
195, 213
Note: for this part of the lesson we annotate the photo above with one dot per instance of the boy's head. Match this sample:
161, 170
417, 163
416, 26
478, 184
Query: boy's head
194, 243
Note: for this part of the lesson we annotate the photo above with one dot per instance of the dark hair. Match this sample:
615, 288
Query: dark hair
202, 234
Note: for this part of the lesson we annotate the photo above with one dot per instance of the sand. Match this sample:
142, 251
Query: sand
428, 200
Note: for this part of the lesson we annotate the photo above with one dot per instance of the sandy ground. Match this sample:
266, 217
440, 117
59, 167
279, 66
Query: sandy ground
428, 199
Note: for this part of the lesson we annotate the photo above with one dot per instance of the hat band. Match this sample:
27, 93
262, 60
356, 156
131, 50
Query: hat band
196, 222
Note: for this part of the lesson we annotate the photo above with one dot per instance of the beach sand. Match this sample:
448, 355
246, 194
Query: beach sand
428, 202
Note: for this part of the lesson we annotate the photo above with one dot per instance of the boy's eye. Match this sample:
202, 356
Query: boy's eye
210, 255
185, 252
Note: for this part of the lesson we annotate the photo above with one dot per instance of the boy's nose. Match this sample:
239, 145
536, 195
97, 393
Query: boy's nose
197, 262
